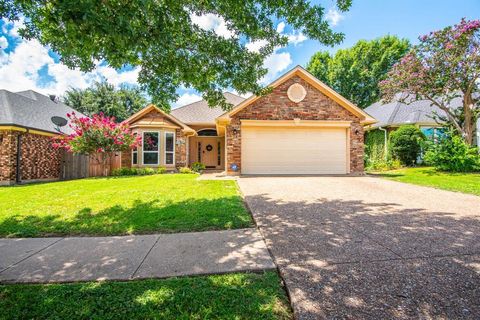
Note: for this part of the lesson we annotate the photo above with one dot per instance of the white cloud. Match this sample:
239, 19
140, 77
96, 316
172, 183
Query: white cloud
296, 38
281, 27
276, 63
186, 98
3, 43
334, 17
213, 22
255, 46
11, 27
19, 69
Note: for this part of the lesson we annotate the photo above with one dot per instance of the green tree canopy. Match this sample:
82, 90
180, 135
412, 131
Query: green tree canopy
356, 71
104, 97
161, 38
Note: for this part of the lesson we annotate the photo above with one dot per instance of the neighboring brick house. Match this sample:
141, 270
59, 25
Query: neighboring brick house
26, 128
301, 127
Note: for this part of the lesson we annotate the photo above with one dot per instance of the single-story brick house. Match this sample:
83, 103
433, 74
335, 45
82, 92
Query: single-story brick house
26, 128
301, 127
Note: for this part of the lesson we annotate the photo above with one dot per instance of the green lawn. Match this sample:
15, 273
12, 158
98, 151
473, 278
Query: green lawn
426, 176
123, 205
232, 296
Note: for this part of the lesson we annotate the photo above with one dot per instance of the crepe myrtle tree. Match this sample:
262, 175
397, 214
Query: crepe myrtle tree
445, 65
98, 136
173, 42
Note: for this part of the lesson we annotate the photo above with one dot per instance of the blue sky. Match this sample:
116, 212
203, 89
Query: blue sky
28, 65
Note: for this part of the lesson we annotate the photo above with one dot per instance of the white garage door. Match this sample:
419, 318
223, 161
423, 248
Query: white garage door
287, 150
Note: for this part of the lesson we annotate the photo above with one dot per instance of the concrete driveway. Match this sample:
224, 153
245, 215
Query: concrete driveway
364, 247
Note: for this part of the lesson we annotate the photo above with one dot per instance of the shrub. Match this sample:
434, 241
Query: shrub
137, 171
197, 167
185, 170
452, 154
122, 172
406, 144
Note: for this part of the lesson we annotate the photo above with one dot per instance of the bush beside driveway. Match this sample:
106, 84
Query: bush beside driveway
121, 205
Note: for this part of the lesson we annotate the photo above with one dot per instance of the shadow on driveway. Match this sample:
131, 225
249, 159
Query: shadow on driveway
357, 259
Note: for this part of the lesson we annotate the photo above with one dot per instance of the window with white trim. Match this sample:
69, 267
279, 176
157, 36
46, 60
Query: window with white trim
169, 147
135, 156
151, 148
135, 153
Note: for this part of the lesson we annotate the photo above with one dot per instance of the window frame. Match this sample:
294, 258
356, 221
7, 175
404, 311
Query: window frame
158, 149
165, 148
134, 152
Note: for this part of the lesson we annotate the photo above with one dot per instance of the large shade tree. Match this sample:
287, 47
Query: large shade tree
444, 66
161, 38
355, 72
103, 97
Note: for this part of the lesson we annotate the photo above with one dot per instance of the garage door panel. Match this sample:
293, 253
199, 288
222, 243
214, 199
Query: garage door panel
294, 150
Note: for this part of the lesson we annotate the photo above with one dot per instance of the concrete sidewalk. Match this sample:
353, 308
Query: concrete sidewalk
132, 257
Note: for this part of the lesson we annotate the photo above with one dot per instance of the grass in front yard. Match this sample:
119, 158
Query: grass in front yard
427, 176
123, 205
232, 296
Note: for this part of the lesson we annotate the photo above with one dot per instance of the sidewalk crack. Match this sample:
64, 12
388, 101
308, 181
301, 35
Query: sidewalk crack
31, 255
144, 258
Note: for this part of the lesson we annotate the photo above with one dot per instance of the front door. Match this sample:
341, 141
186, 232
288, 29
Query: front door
207, 150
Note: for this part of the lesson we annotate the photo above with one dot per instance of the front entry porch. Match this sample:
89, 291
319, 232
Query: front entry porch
208, 151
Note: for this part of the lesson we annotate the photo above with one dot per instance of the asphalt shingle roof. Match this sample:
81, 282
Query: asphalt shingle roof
398, 113
200, 112
33, 110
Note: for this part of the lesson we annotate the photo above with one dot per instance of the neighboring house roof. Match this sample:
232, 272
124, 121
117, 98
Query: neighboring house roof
398, 113
319, 85
30, 109
199, 112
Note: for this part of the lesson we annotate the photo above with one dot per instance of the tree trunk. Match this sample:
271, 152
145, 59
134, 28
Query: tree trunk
469, 123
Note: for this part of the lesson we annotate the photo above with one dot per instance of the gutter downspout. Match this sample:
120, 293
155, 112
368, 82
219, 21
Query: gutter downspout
385, 144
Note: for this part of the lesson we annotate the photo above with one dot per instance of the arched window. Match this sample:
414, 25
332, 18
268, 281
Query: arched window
207, 133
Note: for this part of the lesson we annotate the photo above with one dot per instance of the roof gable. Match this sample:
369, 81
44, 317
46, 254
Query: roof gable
151, 115
317, 84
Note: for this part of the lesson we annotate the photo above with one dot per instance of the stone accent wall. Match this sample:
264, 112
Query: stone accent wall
277, 106
180, 149
38, 161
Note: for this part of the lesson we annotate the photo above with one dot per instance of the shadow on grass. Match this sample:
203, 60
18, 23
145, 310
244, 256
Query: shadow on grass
140, 217
366, 259
234, 296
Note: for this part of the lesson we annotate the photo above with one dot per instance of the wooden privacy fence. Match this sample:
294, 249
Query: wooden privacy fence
77, 166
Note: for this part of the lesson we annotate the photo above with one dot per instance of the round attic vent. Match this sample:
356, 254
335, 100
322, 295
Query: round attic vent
296, 92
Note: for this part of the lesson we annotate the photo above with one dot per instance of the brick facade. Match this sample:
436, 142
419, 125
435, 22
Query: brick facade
180, 148
38, 160
8, 151
277, 106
